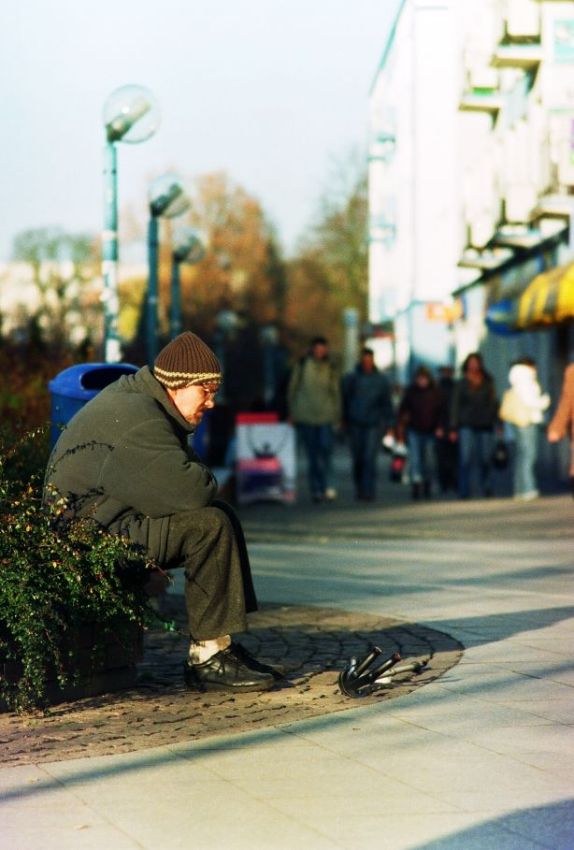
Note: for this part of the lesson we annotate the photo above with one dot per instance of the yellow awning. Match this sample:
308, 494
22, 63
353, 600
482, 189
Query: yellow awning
548, 298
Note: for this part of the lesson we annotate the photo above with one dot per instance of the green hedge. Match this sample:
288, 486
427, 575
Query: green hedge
52, 583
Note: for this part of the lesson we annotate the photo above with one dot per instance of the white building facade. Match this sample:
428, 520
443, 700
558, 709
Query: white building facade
471, 180
412, 183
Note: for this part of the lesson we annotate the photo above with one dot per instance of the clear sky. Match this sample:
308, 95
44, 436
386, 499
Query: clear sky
270, 91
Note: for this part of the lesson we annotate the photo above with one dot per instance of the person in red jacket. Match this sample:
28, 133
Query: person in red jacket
421, 416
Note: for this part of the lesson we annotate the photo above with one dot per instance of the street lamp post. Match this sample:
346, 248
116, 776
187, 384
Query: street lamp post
130, 115
269, 338
167, 198
226, 322
189, 248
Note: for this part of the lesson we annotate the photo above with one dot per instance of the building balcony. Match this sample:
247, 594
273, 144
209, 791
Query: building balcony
481, 100
522, 21
524, 55
467, 276
555, 205
528, 236
488, 259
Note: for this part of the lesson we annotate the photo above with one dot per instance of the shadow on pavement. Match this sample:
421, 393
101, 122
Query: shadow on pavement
312, 644
551, 825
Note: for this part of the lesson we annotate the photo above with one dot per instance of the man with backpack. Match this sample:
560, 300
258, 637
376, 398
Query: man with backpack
314, 399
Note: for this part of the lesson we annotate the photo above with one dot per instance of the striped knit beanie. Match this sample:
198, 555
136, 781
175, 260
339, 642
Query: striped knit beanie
186, 360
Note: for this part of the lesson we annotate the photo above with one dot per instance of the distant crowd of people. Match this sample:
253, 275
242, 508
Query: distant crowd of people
452, 431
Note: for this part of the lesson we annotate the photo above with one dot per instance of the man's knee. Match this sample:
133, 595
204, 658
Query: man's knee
218, 520
205, 525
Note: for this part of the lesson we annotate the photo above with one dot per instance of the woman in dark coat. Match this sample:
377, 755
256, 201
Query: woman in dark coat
421, 416
473, 419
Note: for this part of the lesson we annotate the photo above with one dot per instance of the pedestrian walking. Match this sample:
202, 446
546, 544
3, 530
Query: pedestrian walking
473, 421
421, 417
562, 423
446, 449
522, 408
367, 415
314, 398
125, 462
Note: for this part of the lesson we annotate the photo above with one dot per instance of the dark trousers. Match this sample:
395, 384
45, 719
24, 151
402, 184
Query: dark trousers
475, 447
318, 442
364, 442
420, 445
447, 464
208, 543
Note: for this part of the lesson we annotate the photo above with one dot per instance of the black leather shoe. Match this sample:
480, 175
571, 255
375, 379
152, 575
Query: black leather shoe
253, 663
225, 671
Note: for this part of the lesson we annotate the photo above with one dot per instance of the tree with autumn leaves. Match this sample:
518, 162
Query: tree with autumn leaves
243, 272
329, 271
242, 269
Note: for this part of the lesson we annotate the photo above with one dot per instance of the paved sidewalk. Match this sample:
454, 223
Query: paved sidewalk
310, 643
482, 757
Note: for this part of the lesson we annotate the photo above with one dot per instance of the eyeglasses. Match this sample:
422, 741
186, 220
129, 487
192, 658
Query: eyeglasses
210, 390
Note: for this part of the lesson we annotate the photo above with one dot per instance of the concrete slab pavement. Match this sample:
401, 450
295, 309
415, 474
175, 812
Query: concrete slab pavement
481, 758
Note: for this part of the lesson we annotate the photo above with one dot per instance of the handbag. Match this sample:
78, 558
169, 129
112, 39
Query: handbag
500, 455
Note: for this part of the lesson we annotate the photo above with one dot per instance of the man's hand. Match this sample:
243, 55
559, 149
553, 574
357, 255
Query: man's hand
553, 436
158, 582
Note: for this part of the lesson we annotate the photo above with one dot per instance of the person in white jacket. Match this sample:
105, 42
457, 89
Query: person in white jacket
523, 407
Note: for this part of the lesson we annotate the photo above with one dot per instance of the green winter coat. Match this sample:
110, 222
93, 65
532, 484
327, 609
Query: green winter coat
314, 393
126, 452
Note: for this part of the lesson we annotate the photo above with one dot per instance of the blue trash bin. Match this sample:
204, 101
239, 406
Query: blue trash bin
72, 388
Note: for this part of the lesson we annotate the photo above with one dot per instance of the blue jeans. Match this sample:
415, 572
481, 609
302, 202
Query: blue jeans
318, 442
475, 447
523, 474
420, 445
364, 442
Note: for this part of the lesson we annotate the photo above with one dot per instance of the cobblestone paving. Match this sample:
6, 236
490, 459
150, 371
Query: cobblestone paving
312, 644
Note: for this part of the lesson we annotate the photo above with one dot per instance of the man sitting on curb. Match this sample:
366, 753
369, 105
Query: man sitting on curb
124, 460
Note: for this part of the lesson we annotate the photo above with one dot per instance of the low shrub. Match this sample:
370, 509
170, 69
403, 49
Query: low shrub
52, 582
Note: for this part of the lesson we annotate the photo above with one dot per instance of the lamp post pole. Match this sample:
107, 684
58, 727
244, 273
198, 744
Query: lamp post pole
175, 300
152, 291
130, 115
225, 323
187, 247
112, 352
268, 337
168, 199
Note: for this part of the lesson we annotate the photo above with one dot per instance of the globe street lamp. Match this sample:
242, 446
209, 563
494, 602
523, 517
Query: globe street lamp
167, 198
187, 247
130, 115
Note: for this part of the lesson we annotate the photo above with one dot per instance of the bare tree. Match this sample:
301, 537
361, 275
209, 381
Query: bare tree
63, 265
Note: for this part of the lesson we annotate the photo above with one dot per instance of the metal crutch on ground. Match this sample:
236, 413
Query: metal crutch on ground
361, 678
